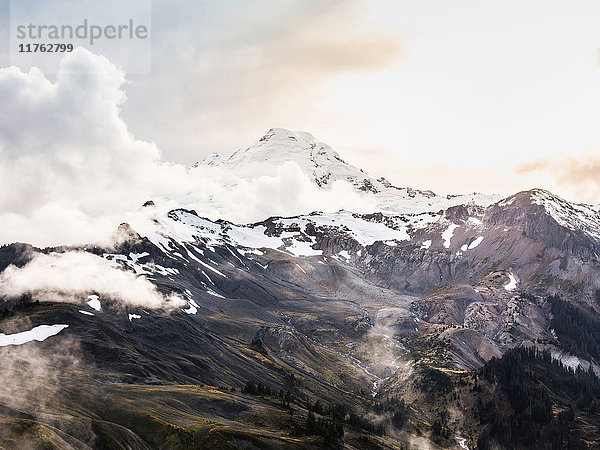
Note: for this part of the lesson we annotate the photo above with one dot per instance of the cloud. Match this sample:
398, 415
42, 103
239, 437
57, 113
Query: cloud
577, 175
65, 154
70, 277
286, 192
71, 172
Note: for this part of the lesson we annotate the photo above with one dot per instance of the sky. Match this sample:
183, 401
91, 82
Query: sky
457, 96
454, 96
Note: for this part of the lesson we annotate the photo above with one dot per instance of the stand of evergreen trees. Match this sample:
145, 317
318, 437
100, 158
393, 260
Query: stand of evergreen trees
331, 430
396, 407
252, 388
338, 415
435, 381
577, 330
533, 382
328, 420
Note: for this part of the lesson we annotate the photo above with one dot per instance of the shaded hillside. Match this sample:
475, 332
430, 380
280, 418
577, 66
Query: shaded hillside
526, 399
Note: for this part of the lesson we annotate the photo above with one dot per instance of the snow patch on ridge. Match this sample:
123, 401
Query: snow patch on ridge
182, 228
573, 216
475, 243
94, 302
447, 235
39, 333
512, 283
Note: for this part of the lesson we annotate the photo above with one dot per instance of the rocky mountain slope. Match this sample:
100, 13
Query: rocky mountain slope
251, 324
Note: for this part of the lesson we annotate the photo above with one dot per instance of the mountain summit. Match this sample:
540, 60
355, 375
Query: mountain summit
324, 166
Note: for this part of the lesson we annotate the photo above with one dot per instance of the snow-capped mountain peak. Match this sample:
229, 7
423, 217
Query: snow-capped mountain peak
574, 216
324, 166
316, 159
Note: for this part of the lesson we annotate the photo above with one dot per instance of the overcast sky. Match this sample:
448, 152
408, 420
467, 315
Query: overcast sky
454, 96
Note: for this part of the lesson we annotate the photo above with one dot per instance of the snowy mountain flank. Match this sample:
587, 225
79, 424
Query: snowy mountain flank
187, 332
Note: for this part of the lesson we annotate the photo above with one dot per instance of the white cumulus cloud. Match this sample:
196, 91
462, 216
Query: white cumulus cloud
72, 276
71, 172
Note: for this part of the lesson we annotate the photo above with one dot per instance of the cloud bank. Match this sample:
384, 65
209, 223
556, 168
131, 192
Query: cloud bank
70, 170
578, 176
70, 277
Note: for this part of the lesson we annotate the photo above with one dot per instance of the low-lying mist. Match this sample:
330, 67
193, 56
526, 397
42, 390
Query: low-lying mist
71, 276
